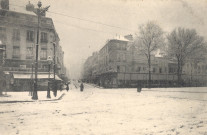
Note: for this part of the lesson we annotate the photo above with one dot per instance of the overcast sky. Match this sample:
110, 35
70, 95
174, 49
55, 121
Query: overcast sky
80, 38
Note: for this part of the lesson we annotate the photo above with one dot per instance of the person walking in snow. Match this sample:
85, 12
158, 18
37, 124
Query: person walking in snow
81, 87
67, 86
139, 87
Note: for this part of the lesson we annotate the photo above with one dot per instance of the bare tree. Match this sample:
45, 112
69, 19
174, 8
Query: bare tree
149, 39
184, 44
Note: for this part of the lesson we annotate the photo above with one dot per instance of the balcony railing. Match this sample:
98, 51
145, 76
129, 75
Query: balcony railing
24, 69
29, 57
44, 41
16, 56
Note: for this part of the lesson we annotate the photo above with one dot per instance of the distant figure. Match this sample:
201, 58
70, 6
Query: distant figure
67, 86
139, 87
81, 87
2, 82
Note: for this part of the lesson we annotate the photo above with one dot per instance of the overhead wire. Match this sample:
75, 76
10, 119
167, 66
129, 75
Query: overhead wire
14, 23
85, 28
83, 19
72, 25
91, 21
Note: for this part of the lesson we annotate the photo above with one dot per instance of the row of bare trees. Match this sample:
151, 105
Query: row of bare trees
181, 44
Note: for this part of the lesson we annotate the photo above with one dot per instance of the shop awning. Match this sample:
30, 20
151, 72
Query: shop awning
39, 76
46, 76
22, 76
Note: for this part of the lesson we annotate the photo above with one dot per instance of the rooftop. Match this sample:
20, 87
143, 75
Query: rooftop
120, 38
20, 6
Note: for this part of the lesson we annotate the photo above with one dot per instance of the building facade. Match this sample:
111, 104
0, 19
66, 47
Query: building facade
120, 64
18, 33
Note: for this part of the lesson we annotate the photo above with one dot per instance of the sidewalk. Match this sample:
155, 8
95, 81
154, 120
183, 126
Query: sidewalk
94, 85
14, 97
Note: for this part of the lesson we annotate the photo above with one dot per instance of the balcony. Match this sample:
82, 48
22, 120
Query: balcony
43, 58
15, 56
24, 69
29, 57
44, 41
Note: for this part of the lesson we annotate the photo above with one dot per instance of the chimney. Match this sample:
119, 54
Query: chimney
129, 37
4, 4
30, 7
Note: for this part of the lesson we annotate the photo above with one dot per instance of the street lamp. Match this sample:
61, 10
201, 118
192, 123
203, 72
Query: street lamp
32, 77
54, 68
39, 12
48, 87
2, 51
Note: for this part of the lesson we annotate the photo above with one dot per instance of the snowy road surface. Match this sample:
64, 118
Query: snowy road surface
110, 112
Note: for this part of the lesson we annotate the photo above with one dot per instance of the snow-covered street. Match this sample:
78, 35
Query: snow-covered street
110, 112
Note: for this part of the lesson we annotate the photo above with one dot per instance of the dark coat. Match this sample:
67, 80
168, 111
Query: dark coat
67, 87
81, 87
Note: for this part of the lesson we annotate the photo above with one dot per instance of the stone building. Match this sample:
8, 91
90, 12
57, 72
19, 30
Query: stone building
18, 33
119, 64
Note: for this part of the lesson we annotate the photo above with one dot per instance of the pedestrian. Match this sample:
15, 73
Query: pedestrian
2, 82
139, 87
67, 86
61, 86
81, 87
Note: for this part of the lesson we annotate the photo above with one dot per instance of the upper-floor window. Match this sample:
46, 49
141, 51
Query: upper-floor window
43, 54
106, 60
3, 33
16, 52
122, 69
30, 35
118, 68
44, 38
29, 54
118, 57
123, 46
123, 57
154, 70
138, 69
160, 70
16, 34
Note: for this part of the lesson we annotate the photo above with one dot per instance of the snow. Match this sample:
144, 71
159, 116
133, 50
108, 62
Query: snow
110, 112
120, 38
19, 6
24, 96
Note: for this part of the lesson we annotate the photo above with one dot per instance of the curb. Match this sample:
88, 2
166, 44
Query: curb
19, 101
96, 86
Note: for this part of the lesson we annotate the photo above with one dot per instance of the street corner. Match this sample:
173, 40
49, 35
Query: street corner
18, 97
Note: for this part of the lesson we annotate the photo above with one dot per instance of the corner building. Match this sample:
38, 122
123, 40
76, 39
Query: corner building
18, 34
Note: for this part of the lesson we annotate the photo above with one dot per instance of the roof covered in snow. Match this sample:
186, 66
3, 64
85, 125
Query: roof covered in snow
20, 6
120, 38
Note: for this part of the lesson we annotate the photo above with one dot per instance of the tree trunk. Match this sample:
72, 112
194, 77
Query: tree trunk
179, 72
149, 65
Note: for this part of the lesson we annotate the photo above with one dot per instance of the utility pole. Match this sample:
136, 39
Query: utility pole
54, 67
48, 87
32, 77
39, 12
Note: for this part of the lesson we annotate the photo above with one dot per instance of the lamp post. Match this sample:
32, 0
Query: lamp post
54, 67
2, 51
39, 12
2, 78
48, 87
32, 77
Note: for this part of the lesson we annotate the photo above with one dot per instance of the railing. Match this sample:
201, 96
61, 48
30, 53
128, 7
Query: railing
22, 69
16, 56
